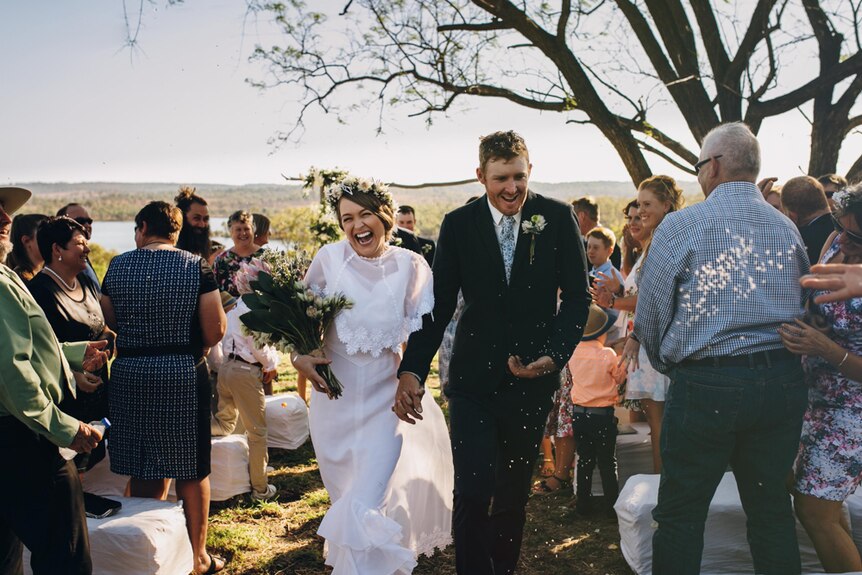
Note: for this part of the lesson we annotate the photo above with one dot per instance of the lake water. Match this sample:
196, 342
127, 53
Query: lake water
120, 236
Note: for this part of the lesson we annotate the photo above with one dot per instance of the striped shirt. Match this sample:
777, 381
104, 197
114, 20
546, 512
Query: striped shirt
719, 279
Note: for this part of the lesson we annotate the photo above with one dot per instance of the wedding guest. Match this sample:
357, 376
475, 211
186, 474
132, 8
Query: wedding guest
631, 247
600, 244
25, 259
406, 218
718, 280
593, 398
390, 483
227, 263
806, 205
587, 211
832, 183
829, 463
510, 266
164, 304
241, 376
657, 197
558, 433
70, 302
195, 234
41, 503
80, 214
773, 198
261, 229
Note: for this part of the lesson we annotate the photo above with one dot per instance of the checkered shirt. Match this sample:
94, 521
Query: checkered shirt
719, 279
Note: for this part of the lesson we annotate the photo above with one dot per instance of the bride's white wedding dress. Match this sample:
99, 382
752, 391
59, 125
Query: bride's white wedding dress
390, 483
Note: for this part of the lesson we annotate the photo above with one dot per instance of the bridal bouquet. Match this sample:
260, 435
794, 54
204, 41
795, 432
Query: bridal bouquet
287, 313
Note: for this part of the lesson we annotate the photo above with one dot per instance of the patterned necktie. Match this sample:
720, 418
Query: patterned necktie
507, 243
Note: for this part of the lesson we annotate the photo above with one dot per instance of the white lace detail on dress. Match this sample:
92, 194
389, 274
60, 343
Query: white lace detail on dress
372, 334
430, 542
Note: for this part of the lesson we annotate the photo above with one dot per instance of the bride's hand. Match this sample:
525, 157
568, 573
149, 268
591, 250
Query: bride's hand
306, 364
630, 354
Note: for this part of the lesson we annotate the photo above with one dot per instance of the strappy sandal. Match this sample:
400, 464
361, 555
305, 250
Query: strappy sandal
214, 568
542, 487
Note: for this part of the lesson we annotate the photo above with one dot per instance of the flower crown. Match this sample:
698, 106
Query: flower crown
847, 200
352, 185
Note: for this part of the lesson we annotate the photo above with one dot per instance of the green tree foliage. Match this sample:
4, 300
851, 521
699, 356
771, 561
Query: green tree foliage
100, 258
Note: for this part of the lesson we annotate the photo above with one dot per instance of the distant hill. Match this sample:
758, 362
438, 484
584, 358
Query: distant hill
109, 201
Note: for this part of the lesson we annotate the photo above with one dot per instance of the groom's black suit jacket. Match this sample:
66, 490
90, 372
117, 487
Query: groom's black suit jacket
500, 320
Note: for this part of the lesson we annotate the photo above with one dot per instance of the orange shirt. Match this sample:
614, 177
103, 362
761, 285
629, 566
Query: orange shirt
595, 375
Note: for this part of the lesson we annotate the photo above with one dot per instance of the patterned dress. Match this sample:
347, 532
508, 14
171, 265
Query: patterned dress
160, 395
559, 422
829, 463
226, 265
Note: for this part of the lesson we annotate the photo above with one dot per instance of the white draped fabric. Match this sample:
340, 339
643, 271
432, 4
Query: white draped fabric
390, 483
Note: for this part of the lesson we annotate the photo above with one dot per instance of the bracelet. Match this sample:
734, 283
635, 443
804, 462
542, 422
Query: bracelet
613, 301
621, 291
846, 355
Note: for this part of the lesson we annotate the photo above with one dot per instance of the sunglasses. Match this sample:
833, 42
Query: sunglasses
85, 221
702, 163
853, 237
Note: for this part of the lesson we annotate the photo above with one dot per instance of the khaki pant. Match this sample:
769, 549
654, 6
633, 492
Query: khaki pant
241, 391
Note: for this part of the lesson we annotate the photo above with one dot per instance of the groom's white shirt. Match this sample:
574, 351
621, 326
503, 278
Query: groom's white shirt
497, 218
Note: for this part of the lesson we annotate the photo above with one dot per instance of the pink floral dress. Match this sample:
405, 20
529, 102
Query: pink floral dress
829, 463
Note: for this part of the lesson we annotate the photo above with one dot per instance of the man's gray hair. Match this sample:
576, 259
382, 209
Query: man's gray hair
738, 147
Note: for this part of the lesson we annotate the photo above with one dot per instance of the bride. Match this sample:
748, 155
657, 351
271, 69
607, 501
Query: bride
390, 483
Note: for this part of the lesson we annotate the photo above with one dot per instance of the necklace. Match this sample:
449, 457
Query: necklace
68, 287
143, 247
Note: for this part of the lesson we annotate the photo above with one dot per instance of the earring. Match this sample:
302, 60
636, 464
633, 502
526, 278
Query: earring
59, 258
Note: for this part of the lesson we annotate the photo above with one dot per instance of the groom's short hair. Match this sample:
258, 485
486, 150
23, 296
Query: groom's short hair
502, 145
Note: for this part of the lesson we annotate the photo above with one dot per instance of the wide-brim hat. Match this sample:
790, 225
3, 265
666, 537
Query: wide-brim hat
228, 302
13, 198
598, 322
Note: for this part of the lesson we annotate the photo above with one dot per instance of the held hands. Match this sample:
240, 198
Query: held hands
87, 382
86, 439
842, 280
94, 357
408, 398
306, 364
802, 339
542, 366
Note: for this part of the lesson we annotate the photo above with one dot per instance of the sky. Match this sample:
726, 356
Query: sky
77, 105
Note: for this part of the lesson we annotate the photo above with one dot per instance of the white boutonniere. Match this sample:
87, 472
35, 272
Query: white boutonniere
426, 248
534, 226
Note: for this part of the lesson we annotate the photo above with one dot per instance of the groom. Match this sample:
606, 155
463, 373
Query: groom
508, 252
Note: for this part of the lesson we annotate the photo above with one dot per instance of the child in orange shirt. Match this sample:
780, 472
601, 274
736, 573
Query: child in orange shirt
596, 375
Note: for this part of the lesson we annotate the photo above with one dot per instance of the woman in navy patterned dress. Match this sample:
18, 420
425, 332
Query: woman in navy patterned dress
165, 307
829, 463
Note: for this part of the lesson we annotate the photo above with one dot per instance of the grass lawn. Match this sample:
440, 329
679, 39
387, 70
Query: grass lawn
279, 536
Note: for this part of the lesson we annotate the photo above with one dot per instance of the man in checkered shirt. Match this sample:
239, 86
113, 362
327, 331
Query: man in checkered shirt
720, 277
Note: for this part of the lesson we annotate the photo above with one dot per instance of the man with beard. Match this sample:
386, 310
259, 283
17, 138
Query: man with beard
41, 502
195, 234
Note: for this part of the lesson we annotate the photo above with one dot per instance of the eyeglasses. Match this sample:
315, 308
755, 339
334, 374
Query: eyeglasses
853, 237
702, 163
85, 221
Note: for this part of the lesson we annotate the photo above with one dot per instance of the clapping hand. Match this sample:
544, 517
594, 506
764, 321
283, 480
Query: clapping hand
765, 186
94, 357
542, 366
610, 283
408, 398
842, 280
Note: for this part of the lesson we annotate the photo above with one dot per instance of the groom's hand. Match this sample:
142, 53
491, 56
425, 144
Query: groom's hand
542, 366
408, 398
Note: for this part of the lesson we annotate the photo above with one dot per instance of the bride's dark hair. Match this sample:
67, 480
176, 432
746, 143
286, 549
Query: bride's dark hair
374, 204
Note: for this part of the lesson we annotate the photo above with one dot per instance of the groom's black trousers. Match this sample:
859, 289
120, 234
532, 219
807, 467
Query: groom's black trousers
495, 440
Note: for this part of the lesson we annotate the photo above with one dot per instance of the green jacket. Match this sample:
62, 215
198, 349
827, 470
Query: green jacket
32, 387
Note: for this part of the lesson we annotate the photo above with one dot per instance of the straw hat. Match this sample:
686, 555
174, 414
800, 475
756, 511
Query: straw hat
598, 322
13, 198
228, 302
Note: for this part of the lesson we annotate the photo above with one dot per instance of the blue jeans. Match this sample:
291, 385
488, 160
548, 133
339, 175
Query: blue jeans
750, 418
